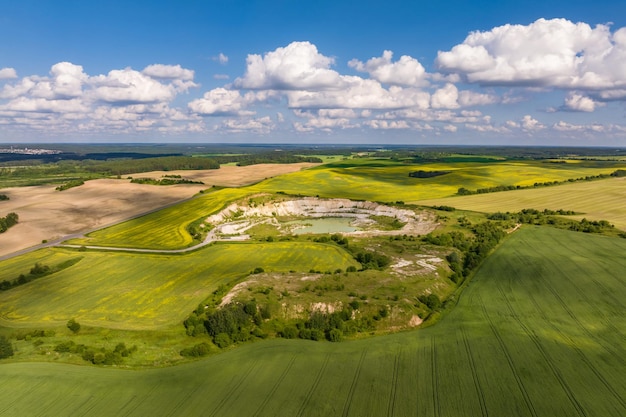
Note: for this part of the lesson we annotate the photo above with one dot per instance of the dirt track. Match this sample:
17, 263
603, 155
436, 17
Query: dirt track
47, 214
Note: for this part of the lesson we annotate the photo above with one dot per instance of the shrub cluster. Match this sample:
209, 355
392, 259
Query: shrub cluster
6, 348
474, 249
7, 222
70, 184
196, 351
239, 322
427, 174
332, 326
167, 180
97, 356
37, 271
444, 208
337, 238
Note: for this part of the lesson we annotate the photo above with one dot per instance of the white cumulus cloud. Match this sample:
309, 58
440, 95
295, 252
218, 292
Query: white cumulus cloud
7, 73
578, 102
407, 71
169, 72
219, 102
546, 53
298, 66
125, 101
445, 98
529, 124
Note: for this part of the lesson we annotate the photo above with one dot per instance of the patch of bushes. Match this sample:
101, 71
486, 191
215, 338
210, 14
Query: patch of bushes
6, 348
70, 184
166, 180
474, 249
431, 300
73, 325
7, 222
37, 271
444, 208
101, 356
196, 351
372, 260
427, 174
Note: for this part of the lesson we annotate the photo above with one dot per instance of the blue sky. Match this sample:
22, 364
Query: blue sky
415, 72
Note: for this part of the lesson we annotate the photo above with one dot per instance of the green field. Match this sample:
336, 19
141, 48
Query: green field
538, 332
144, 291
596, 200
389, 181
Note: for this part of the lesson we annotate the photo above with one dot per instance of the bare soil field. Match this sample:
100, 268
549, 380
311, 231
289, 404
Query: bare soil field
47, 214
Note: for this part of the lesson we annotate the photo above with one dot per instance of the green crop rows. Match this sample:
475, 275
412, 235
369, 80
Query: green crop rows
539, 331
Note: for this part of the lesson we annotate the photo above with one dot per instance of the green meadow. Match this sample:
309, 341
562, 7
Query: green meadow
537, 332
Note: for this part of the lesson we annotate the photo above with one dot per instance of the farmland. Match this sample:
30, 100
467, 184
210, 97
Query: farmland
529, 336
535, 329
594, 200
388, 180
164, 229
143, 291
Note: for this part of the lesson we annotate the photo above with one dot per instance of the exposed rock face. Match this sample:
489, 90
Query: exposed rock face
416, 223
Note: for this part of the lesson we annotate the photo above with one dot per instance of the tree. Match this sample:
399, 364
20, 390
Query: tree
73, 325
6, 349
222, 340
335, 335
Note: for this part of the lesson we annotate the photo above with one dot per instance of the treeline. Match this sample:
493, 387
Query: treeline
8, 221
163, 163
427, 174
473, 153
164, 181
549, 217
283, 157
497, 188
473, 249
39, 270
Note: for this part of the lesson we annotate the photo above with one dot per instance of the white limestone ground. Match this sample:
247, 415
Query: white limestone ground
239, 217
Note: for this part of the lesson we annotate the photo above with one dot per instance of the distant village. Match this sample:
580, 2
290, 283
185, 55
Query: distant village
29, 151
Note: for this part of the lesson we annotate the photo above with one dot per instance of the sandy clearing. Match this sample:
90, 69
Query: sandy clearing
47, 214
